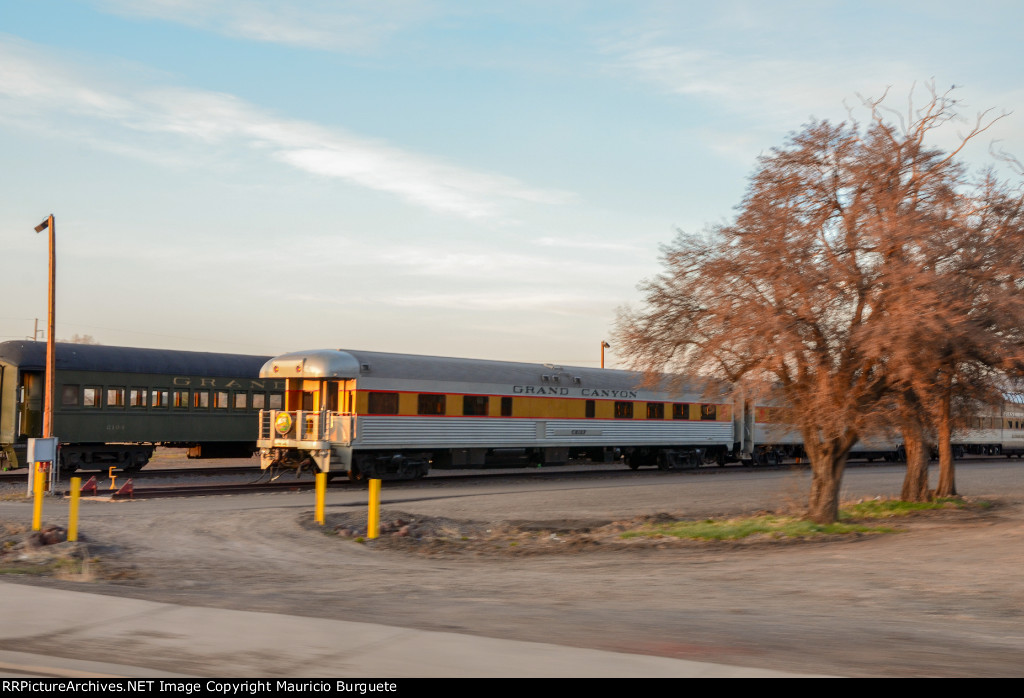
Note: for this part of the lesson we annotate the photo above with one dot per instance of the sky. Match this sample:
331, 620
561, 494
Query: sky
487, 180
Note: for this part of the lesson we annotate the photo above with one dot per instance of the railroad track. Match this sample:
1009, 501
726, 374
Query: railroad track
288, 481
199, 490
213, 490
22, 473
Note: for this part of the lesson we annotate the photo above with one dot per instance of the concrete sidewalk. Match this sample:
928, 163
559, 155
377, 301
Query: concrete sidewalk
49, 633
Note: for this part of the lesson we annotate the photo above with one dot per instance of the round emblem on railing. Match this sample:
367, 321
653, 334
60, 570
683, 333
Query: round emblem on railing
283, 423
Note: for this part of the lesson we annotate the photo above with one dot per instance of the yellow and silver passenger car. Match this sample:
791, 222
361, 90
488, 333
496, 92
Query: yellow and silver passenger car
384, 415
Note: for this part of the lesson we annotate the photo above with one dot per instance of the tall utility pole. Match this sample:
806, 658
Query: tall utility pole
51, 364
604, 345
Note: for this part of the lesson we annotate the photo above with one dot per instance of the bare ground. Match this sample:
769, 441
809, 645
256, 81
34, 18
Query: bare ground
943, 597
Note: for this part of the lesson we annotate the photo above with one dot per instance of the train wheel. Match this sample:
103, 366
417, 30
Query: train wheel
355, 474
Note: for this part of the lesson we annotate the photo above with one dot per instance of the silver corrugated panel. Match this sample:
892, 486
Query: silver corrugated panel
980, 436
776, 434
454, 432
441, 431
625, 433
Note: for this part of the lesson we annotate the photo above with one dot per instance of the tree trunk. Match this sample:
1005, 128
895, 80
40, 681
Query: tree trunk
915, 482
828, 461
947, 472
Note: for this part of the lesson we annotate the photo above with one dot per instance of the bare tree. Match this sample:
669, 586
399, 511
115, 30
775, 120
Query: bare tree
777, 300
952, 313
829, 287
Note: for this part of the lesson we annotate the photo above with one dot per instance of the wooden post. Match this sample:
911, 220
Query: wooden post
51, 362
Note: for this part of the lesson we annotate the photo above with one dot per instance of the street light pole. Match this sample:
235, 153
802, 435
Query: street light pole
51, 364
604, 345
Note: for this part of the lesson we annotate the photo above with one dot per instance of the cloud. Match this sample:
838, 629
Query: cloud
497, 260
597, 245
774, 87
544, 301
503, 300
760, 95
314, 24
34, 89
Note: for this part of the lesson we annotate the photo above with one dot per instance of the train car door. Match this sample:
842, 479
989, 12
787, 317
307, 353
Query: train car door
30, 409
348, 398
330, 396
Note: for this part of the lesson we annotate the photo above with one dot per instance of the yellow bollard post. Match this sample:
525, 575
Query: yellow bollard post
373, 526
37, 490
76, 487
321, 490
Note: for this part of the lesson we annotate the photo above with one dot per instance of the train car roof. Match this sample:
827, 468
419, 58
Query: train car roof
353, 364
95, 357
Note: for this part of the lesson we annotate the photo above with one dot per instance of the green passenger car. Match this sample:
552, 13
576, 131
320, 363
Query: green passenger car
114, 405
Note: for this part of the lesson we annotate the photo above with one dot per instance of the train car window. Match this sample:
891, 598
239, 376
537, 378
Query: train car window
91, 397
383, 403
591, 409
137, 397
115, 397
709, 412
258, 401
181, 398
506, 407
679, 410
201, 399
160, 398
655, 410
276, 401
69, 396
623, 410
241, 401
431, 404
474, 405
220, 399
